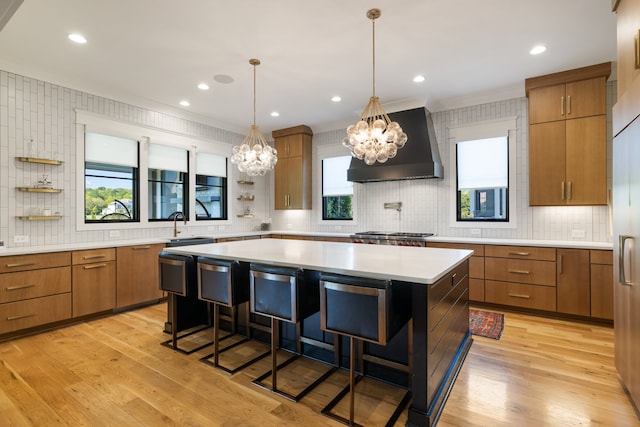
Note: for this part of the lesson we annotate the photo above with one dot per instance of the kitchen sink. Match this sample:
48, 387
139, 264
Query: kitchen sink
186, 241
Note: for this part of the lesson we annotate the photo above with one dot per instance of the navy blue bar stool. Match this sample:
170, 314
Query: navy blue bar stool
290, 295
178, 279
225, 283
365, 310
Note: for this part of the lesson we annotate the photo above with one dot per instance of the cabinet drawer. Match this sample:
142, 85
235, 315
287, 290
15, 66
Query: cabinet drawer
476, 267
521, 270
478, 250
476, 290
520, 295
520, 252
34, 312
35, 283
601, 257
13, 263
94, 288
93, 255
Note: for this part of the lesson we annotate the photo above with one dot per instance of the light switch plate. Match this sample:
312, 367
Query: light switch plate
577, 234
20, 239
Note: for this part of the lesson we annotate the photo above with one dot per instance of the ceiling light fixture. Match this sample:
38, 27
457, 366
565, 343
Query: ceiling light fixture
275, 114
203, 86
375, 137
78, 38
537, 50
418, 79
254, 156
336, 99
184, 103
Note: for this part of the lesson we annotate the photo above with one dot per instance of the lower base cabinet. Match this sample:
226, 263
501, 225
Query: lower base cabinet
93, 278
573, 282
137, 275
35, 312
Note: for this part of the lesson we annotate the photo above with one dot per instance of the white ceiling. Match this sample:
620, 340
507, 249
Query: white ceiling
153, 53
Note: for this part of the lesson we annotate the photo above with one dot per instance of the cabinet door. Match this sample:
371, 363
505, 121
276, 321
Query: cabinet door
573, 284
546, 163
586, 161
138, 280
94, 288
281, 183
602, 291
586, 98
547, 104
289, 146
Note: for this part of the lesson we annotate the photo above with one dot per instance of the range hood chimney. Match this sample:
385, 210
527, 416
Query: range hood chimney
418, 159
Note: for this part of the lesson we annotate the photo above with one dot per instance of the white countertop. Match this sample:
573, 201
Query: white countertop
410, 264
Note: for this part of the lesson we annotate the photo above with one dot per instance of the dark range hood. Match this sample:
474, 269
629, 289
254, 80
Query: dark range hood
418, 159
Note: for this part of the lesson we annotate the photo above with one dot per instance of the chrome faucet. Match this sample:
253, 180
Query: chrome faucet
175, 226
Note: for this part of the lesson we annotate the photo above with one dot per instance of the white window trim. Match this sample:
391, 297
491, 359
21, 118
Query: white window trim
324, 151
93, 122
480, 130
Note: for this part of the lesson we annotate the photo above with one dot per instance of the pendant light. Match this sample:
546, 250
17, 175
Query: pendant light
254, 156
375, 138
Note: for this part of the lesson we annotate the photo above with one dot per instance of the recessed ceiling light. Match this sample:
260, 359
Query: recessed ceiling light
184, 103
203, 86
336, 99
78, 38
418, 79
223, 78
275, 114
537, 50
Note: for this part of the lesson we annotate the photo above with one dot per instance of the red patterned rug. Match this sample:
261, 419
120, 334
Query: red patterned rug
486, 324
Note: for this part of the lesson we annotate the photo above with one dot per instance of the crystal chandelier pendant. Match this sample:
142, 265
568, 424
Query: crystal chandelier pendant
375, 138
254, 156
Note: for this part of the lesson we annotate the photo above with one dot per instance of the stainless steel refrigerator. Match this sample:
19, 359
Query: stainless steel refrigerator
626, 229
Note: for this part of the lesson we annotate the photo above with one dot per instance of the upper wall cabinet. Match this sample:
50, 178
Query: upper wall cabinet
567, 137
292, 174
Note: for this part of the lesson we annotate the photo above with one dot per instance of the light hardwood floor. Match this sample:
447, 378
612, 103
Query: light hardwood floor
112, 371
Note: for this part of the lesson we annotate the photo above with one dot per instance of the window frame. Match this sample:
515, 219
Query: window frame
324, 198
322, 152
480, 130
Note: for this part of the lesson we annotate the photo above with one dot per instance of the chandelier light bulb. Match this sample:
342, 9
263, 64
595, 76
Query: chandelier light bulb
375, 138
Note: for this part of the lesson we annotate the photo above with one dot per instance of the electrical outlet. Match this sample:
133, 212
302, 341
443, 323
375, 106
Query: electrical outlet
289, 226
221, 228
578, 234
211, 228
476, 232
114, 233
20, 239
338, 228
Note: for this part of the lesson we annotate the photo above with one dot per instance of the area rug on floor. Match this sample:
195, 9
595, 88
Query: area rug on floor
486, 323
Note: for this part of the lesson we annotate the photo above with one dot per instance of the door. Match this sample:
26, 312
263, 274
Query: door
546, 163
626, 226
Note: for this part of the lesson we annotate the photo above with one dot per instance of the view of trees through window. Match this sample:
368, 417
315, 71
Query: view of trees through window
110, 193
337, 207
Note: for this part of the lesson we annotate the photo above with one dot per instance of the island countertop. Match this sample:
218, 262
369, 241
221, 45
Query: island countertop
410, 264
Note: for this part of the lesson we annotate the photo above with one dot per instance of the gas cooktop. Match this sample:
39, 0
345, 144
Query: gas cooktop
389, 234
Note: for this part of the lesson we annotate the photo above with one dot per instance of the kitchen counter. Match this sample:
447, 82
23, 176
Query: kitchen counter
438, 279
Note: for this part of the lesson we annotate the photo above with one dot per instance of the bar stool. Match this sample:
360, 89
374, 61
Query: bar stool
225, 283
178, 279
290, 295
364, 310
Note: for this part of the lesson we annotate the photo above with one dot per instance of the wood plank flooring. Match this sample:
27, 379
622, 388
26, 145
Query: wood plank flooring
112, 371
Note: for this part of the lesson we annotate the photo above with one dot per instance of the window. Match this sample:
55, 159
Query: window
110, 179
483, 179
167, 182
211, 187
337, 192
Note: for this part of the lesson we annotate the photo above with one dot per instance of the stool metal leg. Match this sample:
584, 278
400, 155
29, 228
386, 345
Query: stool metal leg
352, 383
274, 353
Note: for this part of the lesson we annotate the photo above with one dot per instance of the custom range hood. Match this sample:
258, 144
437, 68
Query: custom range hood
418, 159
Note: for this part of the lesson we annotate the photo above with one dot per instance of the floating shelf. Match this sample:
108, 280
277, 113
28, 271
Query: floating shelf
246, 199
246, 216
39, 217
242, 182
37, 160
39, 190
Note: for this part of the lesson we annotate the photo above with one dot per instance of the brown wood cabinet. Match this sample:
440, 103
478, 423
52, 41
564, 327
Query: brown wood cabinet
601, 284
137, 275
573, 282
94, 281
567, 137
35, 290
520, 276
292, 174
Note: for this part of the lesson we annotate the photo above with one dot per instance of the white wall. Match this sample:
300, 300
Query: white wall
34, 109
426, 203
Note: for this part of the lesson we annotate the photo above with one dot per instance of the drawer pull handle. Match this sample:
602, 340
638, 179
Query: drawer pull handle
89, 267
21, 316
519, 253
518, 271
20, 264
139, 248
93, 256
520, 296
15, 288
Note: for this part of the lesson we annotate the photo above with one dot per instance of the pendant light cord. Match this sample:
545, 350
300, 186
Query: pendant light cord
373, 32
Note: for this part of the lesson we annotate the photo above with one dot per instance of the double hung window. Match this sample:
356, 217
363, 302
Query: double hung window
168, 182
211, 187
337, 192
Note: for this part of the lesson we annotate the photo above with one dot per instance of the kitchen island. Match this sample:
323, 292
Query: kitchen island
439, 281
